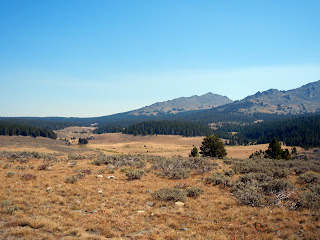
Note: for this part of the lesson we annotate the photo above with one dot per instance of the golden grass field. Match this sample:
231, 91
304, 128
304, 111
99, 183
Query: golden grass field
95, 207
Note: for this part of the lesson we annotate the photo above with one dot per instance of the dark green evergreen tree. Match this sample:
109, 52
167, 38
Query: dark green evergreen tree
294, 150
274, 150
212, 146
83, 141
286, 155
194, 152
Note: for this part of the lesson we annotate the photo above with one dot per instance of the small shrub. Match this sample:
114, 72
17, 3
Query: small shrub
28, 177
278, 186
22, 168
227, 161
228, 173
43, 167
219, 179
84, 171
5, 203
315, 188
76, 157
262, 177
180, 164
10, 209
134, 174
125, 170
178, 173
280, 172
118, 161
6, 166
309, 177
80, 175
101, 171
310, 200
71, 179
72, 164
170, 194
248, 194
10, 174
194, 192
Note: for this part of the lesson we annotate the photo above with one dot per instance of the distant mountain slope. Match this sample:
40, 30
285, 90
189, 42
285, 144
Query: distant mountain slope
305, 99
268, 105
183, 104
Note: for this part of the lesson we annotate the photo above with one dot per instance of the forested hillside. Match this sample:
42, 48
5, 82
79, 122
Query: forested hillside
296, 131
168, 128
46, 123
12, 129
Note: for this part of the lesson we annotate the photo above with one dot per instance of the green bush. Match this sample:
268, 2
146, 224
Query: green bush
248, 194
219, 179
10, 174
310, 200
309, 177
71, 179
6, 166
5, 203
278, 186
72, 163
170, 194
315, 188
194, 192
229, 173
179, 173
280, 172
10, 209
118, 161
134, 174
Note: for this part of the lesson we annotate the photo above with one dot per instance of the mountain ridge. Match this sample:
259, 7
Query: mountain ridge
182, 104
305, 99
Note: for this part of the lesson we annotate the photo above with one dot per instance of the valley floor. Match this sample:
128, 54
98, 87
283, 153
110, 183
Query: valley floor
58, 193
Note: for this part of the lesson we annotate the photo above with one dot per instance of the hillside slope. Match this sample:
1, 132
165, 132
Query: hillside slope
182, 104
305, 99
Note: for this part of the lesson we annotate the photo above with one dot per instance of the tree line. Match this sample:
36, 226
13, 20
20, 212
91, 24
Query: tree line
297, 131
46, 123
11, 129
165, 127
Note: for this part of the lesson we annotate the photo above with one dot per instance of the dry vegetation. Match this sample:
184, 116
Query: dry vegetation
78, 193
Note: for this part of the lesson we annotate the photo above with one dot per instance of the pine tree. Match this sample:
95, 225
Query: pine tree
274, 150
212, 146
194, 152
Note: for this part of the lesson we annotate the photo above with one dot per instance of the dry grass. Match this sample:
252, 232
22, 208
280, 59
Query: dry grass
161, 145
95, 207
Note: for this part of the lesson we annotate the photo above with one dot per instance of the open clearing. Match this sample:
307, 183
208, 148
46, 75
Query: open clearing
162, 145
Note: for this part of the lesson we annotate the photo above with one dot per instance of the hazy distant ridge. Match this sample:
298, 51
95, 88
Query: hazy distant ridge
182, 104
305, 99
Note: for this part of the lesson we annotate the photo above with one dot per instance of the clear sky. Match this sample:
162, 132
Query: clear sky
94, 58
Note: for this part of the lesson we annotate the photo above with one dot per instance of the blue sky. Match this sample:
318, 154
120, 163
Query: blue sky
94, 58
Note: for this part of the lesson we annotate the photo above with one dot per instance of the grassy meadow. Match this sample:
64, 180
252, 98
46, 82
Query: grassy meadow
146, 187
